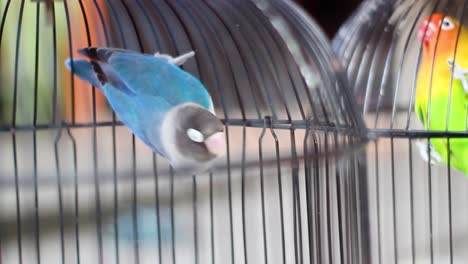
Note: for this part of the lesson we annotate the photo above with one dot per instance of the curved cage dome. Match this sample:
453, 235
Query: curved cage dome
276, 86
380, 50
254, 63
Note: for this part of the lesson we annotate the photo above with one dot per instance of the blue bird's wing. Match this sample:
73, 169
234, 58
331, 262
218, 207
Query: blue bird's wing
142, 114
84, 70
155, 76
150, 75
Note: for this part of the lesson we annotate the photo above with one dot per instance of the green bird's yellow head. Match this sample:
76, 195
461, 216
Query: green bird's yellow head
438, 32
440, 35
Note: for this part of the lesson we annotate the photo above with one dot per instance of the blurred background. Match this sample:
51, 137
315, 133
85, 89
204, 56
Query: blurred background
329, 14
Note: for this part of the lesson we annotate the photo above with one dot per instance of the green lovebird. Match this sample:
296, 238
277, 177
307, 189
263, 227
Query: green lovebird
442, 87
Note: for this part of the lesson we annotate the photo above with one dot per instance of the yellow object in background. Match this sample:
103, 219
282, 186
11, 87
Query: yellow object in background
23, 14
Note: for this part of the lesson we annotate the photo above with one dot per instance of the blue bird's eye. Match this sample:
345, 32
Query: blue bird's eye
195, 135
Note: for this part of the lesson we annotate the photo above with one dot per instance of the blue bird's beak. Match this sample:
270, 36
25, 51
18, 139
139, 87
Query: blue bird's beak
216, 143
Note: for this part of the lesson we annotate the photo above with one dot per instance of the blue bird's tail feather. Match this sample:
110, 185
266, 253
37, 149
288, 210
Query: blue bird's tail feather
84, 70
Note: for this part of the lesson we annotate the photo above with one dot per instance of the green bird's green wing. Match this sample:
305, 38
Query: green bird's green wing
453, 105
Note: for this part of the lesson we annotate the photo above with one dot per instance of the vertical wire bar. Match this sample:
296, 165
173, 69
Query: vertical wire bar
309, 202
353, 170
262, 193
395, 237
244, 235
60, 194
95, 160
359, 227
195, 218
449, 190
297, 192
36, 194
70, 55
77, 212
431, 241
377, 190
347, 216
296, 219
75, 162
2, 24
172, 216
13, 135
134, 205
59, 134
327, 200
55, 68
280, 195
361, 197
353, 248
338, 201
228, 163
413, 246
158, 216
213, 261
316, 191
17, 196
349, 225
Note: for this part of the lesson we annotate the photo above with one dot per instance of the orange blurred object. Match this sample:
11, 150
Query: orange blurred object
83, 92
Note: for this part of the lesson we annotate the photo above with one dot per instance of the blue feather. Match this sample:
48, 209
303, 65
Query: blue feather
154, 76
84, 70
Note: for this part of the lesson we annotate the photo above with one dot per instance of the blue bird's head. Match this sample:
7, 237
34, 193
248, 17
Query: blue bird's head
192, 137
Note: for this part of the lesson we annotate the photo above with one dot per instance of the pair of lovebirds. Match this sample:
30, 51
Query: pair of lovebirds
172, 112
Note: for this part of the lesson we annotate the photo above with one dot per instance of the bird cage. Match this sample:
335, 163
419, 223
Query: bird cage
78, 187
399, 63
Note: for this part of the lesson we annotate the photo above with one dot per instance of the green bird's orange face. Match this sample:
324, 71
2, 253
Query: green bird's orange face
438, 32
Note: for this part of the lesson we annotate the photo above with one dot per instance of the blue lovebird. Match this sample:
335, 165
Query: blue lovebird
167, 108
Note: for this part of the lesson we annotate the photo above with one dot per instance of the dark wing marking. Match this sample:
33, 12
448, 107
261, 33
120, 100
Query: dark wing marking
105, 73
101, 54
101, 76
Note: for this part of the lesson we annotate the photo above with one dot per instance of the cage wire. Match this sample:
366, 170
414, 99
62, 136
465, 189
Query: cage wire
77, 187
417, 210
